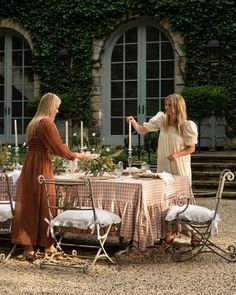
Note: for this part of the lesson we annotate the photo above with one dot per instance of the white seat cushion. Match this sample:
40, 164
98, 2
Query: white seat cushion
5, 211
193, 213
83, 219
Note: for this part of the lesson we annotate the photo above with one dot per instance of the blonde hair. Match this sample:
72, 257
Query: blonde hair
178, 108
46, 107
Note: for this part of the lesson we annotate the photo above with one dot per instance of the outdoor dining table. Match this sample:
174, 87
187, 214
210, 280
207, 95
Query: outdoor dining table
141, 203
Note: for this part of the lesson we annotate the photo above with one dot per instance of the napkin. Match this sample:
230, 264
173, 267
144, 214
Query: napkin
167, 177
73, 165
15, 175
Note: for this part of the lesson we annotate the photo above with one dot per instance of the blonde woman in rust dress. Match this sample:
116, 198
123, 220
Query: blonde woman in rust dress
177, 138
29, 226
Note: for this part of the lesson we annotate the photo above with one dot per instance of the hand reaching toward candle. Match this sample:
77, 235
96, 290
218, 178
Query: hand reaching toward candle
81, 156
140, 129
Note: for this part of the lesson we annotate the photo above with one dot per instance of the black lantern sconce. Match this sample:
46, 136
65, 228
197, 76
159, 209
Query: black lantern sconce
214, 51
64, 59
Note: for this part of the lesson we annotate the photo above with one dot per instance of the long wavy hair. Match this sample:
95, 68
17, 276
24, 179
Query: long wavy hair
178, 108
46, 107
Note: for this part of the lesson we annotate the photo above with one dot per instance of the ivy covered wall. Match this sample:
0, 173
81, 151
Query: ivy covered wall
54, 24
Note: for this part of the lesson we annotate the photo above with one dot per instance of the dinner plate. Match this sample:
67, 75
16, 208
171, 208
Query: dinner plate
102, 177
146, 175
92, 156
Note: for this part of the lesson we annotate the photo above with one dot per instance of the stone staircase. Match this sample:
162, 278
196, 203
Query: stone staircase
206, 169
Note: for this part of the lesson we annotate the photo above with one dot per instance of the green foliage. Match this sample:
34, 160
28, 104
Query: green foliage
76, 23
97, 166
204, 101
32, 106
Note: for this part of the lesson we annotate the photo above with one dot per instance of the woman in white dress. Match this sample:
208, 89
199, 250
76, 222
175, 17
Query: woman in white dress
177, 138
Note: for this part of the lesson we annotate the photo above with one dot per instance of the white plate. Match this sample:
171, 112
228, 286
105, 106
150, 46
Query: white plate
92, 156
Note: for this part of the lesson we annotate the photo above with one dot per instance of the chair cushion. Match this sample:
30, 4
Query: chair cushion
5, 211
83, 219
193, 213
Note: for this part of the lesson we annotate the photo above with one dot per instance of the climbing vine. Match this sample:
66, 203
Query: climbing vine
55, 24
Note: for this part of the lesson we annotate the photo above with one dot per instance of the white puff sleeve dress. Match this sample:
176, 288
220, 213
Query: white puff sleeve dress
170, 141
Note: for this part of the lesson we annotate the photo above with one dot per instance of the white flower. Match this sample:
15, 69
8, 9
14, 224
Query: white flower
74, 134
93, 134
24, 144
107, 149
9, 146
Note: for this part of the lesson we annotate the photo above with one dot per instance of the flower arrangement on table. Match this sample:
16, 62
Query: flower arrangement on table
8, 158
58, 164
97, 166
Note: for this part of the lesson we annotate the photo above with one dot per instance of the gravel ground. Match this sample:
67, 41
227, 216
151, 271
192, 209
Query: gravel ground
150, 272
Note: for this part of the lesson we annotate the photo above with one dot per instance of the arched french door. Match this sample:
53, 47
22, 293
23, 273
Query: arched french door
138, 74
16, 84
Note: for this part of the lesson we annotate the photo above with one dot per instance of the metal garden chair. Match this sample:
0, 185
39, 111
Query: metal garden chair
74, 208
203, 222
7, 206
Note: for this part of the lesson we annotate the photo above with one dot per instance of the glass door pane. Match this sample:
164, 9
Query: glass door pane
141, 74
16, 85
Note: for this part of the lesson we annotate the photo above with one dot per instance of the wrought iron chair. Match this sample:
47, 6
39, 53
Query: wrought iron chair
203, 222
74, 206
7, 206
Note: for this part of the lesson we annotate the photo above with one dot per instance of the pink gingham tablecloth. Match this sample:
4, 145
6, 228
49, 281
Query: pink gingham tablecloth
141, 203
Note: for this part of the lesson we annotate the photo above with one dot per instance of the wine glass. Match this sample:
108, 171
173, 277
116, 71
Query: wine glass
72, 166
119, 168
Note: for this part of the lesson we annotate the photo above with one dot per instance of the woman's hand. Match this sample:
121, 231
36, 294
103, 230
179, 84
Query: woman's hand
172, 157
140, 129
131, 120
81, 156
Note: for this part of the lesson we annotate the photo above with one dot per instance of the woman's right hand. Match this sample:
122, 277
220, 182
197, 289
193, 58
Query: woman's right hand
131, 120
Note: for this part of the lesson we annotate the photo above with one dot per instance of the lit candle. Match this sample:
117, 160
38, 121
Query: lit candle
130, 136
81, 135
66, 132
15, 128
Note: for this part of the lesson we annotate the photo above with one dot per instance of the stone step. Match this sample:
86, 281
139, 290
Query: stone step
214, 157
212, 193
212, 167
207, 175
213, 183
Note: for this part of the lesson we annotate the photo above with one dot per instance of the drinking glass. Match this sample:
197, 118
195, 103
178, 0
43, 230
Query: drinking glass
72, 166
119, 168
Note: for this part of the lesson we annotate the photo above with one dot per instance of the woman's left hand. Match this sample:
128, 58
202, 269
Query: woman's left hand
172, 157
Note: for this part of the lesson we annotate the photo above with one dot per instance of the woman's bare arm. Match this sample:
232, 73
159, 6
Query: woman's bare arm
139, 128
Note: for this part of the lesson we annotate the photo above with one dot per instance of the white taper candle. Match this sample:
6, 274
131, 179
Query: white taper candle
130, 136
81, 135
16, 138
66, 126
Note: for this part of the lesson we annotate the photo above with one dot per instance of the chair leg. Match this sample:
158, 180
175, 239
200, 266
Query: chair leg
4, 258
205, 245
102, 240
229, 254
87, 267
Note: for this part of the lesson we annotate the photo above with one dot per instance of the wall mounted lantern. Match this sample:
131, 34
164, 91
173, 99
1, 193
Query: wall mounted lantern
64, 59
214, 51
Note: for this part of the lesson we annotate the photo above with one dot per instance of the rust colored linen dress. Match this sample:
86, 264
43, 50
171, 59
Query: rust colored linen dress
29, 226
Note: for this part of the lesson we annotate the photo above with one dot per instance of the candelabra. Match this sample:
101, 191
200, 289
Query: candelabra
130, 158
17, 165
